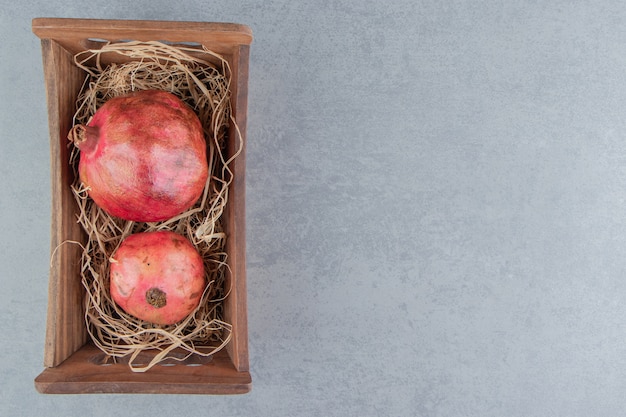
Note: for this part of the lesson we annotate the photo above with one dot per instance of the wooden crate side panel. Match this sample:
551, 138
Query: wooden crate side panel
80, 375
65, 330
74, 34
236, 303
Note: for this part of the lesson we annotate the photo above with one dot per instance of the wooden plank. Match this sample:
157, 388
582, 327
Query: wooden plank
81, 374
73, 34
236, 303
65, 330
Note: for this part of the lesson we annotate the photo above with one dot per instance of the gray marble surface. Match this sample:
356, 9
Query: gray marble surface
436, 209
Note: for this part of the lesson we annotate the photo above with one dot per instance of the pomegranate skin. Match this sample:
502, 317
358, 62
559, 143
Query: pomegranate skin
157, 277
143, 156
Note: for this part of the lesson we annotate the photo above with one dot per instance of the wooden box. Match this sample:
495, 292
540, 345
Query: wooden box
72, 363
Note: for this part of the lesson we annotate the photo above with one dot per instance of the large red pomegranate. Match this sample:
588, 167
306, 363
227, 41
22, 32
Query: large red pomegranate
157, 277
143, 156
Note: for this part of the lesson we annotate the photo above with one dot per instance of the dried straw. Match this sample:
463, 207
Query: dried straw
193, 75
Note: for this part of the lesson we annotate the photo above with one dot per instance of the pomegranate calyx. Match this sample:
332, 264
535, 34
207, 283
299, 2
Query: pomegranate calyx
84, 137
156, 298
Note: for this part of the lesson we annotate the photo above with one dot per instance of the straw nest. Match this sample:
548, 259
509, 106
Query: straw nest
200, 78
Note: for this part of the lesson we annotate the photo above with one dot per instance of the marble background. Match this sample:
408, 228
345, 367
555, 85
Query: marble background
435, 205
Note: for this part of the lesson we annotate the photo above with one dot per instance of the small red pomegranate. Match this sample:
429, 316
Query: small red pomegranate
143, 156
157, 277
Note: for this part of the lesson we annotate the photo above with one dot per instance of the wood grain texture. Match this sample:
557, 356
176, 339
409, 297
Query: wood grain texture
236, 304
65, 330
82, 373
74, 34
68, 357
